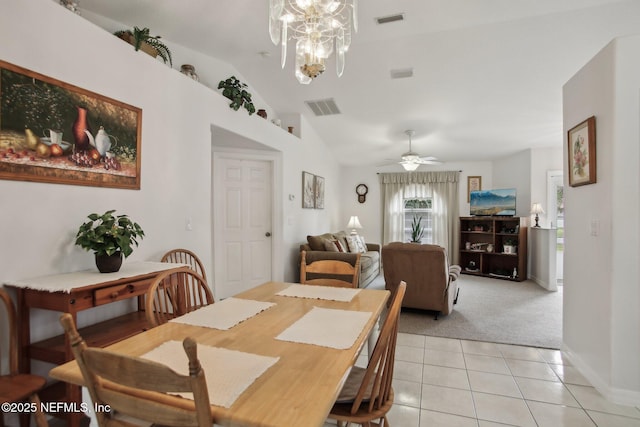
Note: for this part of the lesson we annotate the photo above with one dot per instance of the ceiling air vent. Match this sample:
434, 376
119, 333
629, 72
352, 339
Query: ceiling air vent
391, 18
402, 74
323, 107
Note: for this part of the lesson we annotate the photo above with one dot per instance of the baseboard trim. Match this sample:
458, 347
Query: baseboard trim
616, 395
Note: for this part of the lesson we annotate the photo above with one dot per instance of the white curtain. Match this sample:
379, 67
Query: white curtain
442, 187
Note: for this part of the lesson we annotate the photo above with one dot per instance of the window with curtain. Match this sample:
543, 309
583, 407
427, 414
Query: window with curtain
418, 211
440, 187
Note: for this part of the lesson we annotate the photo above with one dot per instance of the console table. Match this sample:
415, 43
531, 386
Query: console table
75, 292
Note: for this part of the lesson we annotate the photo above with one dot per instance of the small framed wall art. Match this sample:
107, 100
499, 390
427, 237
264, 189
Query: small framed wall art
581, 144
474, 183
319, 192
308, 190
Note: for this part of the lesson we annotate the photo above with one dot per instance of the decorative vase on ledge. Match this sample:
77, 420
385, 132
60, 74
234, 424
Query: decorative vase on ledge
262, 113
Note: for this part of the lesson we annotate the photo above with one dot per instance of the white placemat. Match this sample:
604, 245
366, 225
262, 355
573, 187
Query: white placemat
327, 327
224, 314
65, 282
229, 372
319, 292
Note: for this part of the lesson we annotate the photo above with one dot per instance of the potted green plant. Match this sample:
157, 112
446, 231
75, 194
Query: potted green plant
236, 91
109, 237
417, 230
509, 246
141, 39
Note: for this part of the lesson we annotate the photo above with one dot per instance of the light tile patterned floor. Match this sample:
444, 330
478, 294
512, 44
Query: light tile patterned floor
443, 382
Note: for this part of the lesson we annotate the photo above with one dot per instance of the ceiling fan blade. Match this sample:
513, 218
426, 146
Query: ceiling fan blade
429, 162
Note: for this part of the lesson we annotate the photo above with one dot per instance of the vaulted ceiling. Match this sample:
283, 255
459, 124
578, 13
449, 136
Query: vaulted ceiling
487, 74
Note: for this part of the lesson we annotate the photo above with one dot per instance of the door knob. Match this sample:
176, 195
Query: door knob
267, 234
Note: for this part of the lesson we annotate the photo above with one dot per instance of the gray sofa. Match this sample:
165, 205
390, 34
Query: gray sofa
369, 260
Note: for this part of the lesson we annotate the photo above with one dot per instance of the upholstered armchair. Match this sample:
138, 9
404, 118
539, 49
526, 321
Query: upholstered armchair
431, 281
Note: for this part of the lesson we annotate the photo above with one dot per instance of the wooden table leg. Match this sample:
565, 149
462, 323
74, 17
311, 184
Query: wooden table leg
24, 334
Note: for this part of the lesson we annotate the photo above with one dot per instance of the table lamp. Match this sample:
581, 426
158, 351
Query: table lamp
536, 209
354, 224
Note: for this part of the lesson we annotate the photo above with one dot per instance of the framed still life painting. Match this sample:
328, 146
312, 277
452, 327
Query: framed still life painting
581, 143
55, 132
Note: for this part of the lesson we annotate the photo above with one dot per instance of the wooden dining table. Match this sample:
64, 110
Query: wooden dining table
299, 389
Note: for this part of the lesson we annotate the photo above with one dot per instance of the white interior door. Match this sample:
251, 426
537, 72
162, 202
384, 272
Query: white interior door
242, 225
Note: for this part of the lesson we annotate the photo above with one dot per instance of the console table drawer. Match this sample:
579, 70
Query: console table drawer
119, 292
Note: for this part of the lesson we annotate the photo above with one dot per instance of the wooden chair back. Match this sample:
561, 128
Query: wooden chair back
138, 388
329, 272
185, 256
14, 386
173, 294
374, 396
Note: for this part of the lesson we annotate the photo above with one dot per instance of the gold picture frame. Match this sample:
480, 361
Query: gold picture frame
474, 183
55, 132
581, 145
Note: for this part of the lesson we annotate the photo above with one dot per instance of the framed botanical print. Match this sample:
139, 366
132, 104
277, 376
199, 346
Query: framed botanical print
581, 144
308, 190
319, 192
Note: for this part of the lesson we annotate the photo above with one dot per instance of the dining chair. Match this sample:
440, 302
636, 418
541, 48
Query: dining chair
185, 256
329, 272
14, 386
174, 293
367, 394
138, 388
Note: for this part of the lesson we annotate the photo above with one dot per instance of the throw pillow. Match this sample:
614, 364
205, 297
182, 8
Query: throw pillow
339, 246
355, 246
316, 243
330, 246
341, 237
364, 244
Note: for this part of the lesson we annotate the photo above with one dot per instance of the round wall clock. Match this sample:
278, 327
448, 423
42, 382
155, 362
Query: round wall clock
362, 190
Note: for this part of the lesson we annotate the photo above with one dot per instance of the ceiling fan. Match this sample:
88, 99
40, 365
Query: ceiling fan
411, 160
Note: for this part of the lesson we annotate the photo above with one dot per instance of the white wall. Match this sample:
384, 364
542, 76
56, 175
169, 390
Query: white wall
514, 171
601, 280
178, 117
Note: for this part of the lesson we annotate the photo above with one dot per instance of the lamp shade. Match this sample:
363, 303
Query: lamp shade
354, 224
536, 208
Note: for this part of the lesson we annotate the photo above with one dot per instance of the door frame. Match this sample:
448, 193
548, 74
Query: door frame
273, 157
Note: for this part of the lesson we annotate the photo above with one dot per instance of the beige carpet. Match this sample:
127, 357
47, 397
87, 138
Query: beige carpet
493, 310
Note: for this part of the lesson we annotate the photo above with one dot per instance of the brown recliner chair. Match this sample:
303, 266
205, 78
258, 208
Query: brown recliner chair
431, 281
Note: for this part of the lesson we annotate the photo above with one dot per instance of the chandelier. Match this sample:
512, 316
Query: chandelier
319, 27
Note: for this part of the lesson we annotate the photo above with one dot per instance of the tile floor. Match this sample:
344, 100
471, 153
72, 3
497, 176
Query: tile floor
443, 382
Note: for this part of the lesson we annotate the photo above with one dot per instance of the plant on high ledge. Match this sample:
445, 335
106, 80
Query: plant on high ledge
236, 91
141, 39
109, 236
417, 230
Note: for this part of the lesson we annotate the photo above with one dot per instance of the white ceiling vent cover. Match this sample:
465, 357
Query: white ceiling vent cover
323, 107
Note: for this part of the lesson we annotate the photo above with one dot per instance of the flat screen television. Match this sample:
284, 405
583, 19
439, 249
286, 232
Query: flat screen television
501, 202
